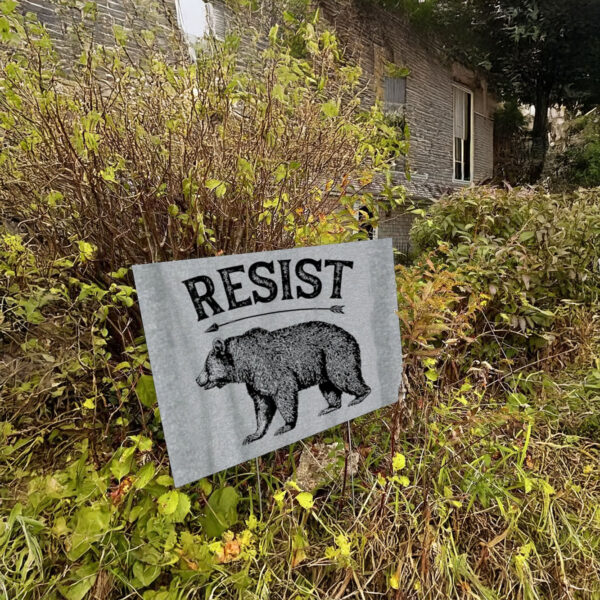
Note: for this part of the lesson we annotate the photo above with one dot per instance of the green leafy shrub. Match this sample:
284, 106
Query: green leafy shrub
128, 158
482, 482
527, 251
88, 509
150, 157
580, 162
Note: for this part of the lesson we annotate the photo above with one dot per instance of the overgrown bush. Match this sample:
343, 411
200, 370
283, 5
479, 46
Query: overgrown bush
151, 158
484, 479
135, 158
579, 164
528, 253
482, 482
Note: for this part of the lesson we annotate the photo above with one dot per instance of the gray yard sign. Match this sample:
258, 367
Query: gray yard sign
252, 352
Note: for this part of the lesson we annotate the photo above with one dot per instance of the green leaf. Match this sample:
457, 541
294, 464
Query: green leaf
526, 235
91, 523
280, 173
216, 186
122, 462
120, 35
108, 174
144, 476
145, 391
85, 578
221, 512
145, 574
165, 480
273, 34
167, 503
7, 6
183, 508
330, 109
278, 92
92, 520
245, 168
431, 374
206, 486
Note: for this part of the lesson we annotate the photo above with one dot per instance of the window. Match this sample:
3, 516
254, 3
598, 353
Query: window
199, 19
394, 94
463, 134
215, 13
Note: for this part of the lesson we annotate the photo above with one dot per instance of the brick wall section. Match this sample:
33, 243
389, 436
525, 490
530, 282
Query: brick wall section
396, 225
373, 36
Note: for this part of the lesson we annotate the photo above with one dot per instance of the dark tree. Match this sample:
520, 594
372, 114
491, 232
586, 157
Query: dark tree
540, 52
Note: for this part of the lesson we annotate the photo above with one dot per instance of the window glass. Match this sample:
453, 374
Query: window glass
394, 93
463, 137
198, 18
192, 18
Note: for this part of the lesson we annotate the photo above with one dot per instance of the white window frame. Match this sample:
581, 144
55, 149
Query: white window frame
211, 14
472, 140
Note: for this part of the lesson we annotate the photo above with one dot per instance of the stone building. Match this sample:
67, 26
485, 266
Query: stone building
447, 107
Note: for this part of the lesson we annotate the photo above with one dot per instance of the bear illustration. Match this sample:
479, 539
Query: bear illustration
276, 365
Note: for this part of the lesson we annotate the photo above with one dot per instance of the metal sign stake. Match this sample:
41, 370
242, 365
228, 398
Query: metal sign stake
258, 487
351, 469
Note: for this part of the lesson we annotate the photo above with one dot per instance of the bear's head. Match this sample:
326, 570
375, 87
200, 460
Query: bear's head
218, 368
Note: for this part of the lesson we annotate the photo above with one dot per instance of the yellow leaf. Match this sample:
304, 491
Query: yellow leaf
89, 403
305, 500
343, 544
404, 481
278, 497
252, 522
86, 251
299, 556
398, 462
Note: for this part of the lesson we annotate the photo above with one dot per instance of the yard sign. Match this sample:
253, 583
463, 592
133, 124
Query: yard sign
252, 352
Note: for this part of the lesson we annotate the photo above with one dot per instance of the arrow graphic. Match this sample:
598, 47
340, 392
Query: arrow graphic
336, 308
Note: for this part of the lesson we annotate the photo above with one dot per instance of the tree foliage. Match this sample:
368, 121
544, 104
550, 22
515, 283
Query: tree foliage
579, 163
540, 52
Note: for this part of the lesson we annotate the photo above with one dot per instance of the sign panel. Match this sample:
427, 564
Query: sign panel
252, 352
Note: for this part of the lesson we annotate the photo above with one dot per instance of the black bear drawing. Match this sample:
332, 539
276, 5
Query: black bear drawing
276, 365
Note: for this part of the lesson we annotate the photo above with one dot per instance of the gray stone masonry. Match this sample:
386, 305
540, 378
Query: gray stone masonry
374, 38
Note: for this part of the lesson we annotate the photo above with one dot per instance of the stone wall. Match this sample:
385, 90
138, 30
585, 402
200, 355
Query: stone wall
373, 37
62, 17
